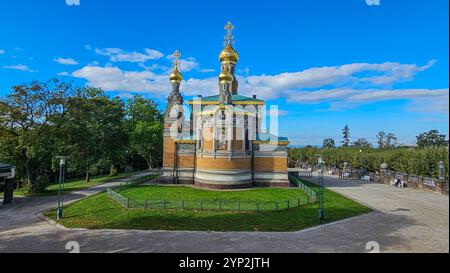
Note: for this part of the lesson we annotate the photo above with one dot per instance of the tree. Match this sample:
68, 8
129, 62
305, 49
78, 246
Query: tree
431, 138
381, 139
328, 143
386, 140
29, 121
346, 136
361, 143
391, 140
145, 124
93, 132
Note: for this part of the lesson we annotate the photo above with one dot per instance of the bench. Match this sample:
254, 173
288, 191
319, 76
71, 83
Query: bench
365, 178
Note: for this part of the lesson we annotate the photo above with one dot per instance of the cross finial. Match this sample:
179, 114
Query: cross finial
176, 59
229, 37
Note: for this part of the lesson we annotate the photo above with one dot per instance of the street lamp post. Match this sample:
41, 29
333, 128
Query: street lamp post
59, 211
320, 176
441, 171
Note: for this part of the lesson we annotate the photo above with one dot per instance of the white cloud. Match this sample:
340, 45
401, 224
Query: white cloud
187, 64
20, 67
422, 100
273, 86
2, 51
120, 55
343, 86
66, 61
155, 67
63, 74
206, 70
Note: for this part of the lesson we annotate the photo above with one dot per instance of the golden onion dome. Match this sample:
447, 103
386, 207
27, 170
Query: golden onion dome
229, 54
225, 77
176, 76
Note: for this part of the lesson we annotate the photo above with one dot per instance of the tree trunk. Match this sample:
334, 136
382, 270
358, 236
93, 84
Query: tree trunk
88, 178
149, 162
31, 176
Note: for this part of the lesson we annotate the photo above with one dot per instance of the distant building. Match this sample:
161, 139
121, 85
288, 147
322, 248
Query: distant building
223, 145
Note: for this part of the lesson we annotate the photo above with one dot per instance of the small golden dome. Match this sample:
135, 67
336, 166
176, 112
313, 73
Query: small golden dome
229, 54
225, 77
176, 76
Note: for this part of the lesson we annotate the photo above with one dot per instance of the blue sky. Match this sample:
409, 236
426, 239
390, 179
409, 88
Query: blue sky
324, 63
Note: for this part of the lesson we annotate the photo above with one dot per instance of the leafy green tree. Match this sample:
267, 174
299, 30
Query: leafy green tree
388, 140
93, 132
361, 143
381, 139
391, 140
145, 124
346, 136
328, 143
29, 121
431, 138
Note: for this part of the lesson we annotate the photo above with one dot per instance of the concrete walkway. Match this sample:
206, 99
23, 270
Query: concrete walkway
405, 220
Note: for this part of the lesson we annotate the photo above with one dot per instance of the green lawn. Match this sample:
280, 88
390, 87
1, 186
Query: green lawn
76, 184
194, 198
99, 211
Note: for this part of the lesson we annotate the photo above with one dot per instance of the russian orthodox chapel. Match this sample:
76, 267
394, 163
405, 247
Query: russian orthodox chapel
222, 146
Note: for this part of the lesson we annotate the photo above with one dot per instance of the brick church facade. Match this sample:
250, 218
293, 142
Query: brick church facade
222, 146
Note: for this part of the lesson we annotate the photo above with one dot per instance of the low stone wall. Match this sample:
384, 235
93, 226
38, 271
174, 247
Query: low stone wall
411, 181
386, 177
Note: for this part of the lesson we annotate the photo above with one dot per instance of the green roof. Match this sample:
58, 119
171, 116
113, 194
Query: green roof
233, 98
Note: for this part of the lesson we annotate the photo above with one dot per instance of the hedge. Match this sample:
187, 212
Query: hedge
417, 161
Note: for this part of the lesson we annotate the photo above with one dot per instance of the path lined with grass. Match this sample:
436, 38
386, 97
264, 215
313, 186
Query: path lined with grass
77, 184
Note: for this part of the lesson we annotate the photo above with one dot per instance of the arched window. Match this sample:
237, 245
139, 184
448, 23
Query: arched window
247, 141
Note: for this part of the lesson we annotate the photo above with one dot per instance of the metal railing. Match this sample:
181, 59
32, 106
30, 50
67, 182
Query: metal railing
309, 192
154, 174
218, 204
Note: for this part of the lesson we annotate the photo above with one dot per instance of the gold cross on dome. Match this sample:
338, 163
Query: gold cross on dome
176, 58
229, 28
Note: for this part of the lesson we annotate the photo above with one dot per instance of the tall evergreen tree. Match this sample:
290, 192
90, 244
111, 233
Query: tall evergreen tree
346, 136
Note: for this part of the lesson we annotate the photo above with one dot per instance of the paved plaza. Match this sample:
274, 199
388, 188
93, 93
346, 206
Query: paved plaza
403, 220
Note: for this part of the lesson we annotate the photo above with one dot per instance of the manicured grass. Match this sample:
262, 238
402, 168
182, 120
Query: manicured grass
193, 198
99, 212
76, 184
